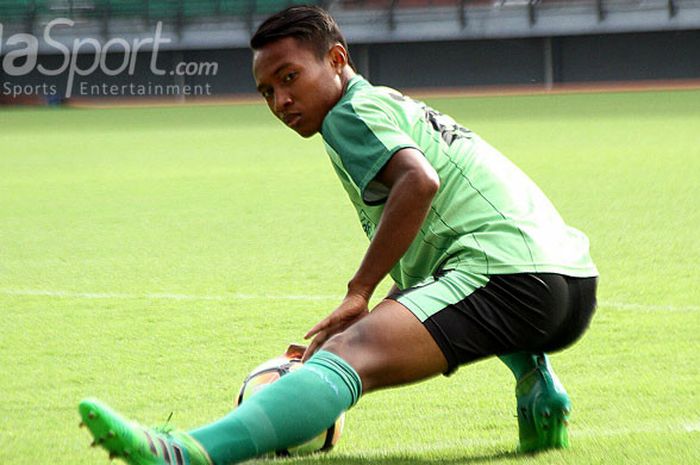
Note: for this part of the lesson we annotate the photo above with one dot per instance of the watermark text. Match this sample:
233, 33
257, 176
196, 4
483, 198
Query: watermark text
21, 52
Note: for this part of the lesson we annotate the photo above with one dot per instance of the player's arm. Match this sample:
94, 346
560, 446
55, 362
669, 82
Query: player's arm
412, 184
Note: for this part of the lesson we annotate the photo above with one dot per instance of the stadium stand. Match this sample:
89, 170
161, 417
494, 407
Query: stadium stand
465, 42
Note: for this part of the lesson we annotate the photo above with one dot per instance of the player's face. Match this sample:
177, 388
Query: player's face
298, 86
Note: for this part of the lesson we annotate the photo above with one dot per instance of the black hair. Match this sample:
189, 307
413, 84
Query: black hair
311, 25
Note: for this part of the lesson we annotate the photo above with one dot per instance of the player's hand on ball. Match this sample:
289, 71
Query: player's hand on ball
353, 308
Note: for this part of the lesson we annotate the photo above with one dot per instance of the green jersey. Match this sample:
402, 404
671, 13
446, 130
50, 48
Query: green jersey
487, 217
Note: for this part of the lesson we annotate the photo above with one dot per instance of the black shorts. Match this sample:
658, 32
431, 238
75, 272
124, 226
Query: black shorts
532, 312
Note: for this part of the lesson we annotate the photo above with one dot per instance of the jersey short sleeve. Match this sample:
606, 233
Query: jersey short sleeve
365, 134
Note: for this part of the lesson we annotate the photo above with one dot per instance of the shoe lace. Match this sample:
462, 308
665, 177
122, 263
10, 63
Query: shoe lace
166, 428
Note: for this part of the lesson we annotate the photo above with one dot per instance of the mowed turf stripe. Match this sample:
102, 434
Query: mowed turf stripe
302, 297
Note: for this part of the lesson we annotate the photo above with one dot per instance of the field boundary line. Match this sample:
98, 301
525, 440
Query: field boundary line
300, 297
507, 90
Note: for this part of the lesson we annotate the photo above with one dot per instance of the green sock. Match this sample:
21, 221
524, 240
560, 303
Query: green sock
520, 363
293, 410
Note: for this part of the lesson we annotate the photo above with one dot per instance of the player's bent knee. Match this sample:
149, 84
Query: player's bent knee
362, 350
347, 345
389, 347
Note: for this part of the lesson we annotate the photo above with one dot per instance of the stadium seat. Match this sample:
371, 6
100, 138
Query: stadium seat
199, 8
273, 6
153, 10
269, 6
162, 10
236, 7
122, 8
16, 10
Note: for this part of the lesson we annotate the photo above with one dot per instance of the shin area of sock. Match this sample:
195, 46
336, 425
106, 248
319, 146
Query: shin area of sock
291, 411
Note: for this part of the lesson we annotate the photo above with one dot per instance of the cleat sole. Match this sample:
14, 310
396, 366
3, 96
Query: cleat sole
101, 428
543, 411
549, 433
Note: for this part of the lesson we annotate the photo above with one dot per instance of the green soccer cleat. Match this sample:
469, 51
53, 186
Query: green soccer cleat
136, 444
543, 409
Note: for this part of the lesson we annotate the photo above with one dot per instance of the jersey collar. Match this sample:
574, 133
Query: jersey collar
355, 83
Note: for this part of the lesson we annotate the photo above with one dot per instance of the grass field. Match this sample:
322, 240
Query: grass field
151, 257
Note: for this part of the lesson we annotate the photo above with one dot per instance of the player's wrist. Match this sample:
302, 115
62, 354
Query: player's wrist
356, 287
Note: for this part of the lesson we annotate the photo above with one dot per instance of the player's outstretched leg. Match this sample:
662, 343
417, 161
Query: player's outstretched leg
321, 390
543, 404
136, 444
298, 406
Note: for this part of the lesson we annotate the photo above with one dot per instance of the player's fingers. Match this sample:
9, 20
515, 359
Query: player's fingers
313, 331
308, 353
320, 326
314, 345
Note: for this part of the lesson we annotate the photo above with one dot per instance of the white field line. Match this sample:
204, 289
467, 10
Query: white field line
692, 427
575, 433
164, 296
302, 297
652, 308
626, 431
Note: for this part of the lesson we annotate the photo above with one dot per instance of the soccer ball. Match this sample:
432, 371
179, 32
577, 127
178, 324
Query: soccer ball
269, 372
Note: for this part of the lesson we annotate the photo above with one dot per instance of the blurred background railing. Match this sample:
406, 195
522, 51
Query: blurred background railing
29, 12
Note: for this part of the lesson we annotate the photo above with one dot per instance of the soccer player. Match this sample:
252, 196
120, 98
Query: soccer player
483, 264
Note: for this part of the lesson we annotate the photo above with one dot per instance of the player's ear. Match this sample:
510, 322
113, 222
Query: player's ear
338, 57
